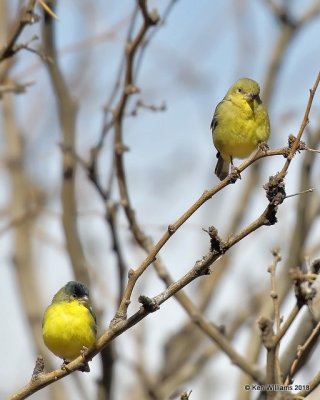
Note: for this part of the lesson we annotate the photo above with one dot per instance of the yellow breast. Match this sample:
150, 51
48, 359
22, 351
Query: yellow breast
67, 327
239, 129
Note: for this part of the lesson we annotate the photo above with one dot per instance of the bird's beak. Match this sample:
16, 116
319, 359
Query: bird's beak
84, 300
249, 96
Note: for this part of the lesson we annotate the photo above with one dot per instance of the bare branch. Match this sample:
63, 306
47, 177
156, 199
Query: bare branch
28, 17
14, 87
67, 113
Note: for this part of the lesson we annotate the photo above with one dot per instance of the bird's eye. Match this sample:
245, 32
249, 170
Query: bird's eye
239, 90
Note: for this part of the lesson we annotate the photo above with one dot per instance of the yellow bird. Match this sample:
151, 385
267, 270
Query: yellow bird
69, 323
240, 122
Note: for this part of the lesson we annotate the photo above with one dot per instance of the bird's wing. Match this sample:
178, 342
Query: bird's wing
214, 121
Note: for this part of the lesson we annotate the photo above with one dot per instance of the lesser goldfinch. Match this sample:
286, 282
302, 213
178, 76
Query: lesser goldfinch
69, 323
240, 122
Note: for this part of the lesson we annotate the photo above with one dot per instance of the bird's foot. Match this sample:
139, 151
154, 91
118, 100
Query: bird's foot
84, 351
263, 146
84, 367
64, 365
234, 174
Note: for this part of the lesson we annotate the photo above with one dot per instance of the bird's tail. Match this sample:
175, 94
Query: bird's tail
222, 168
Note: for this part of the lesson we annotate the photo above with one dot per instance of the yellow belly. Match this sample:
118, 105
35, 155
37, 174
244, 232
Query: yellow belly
67, 327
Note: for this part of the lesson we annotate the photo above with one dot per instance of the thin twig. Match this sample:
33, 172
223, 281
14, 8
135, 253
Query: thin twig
129, 88
47, 9
107, 123
300, 353
14, 87
276, 313
274, 295
303, 125
286, 324
28, 17
302, 192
